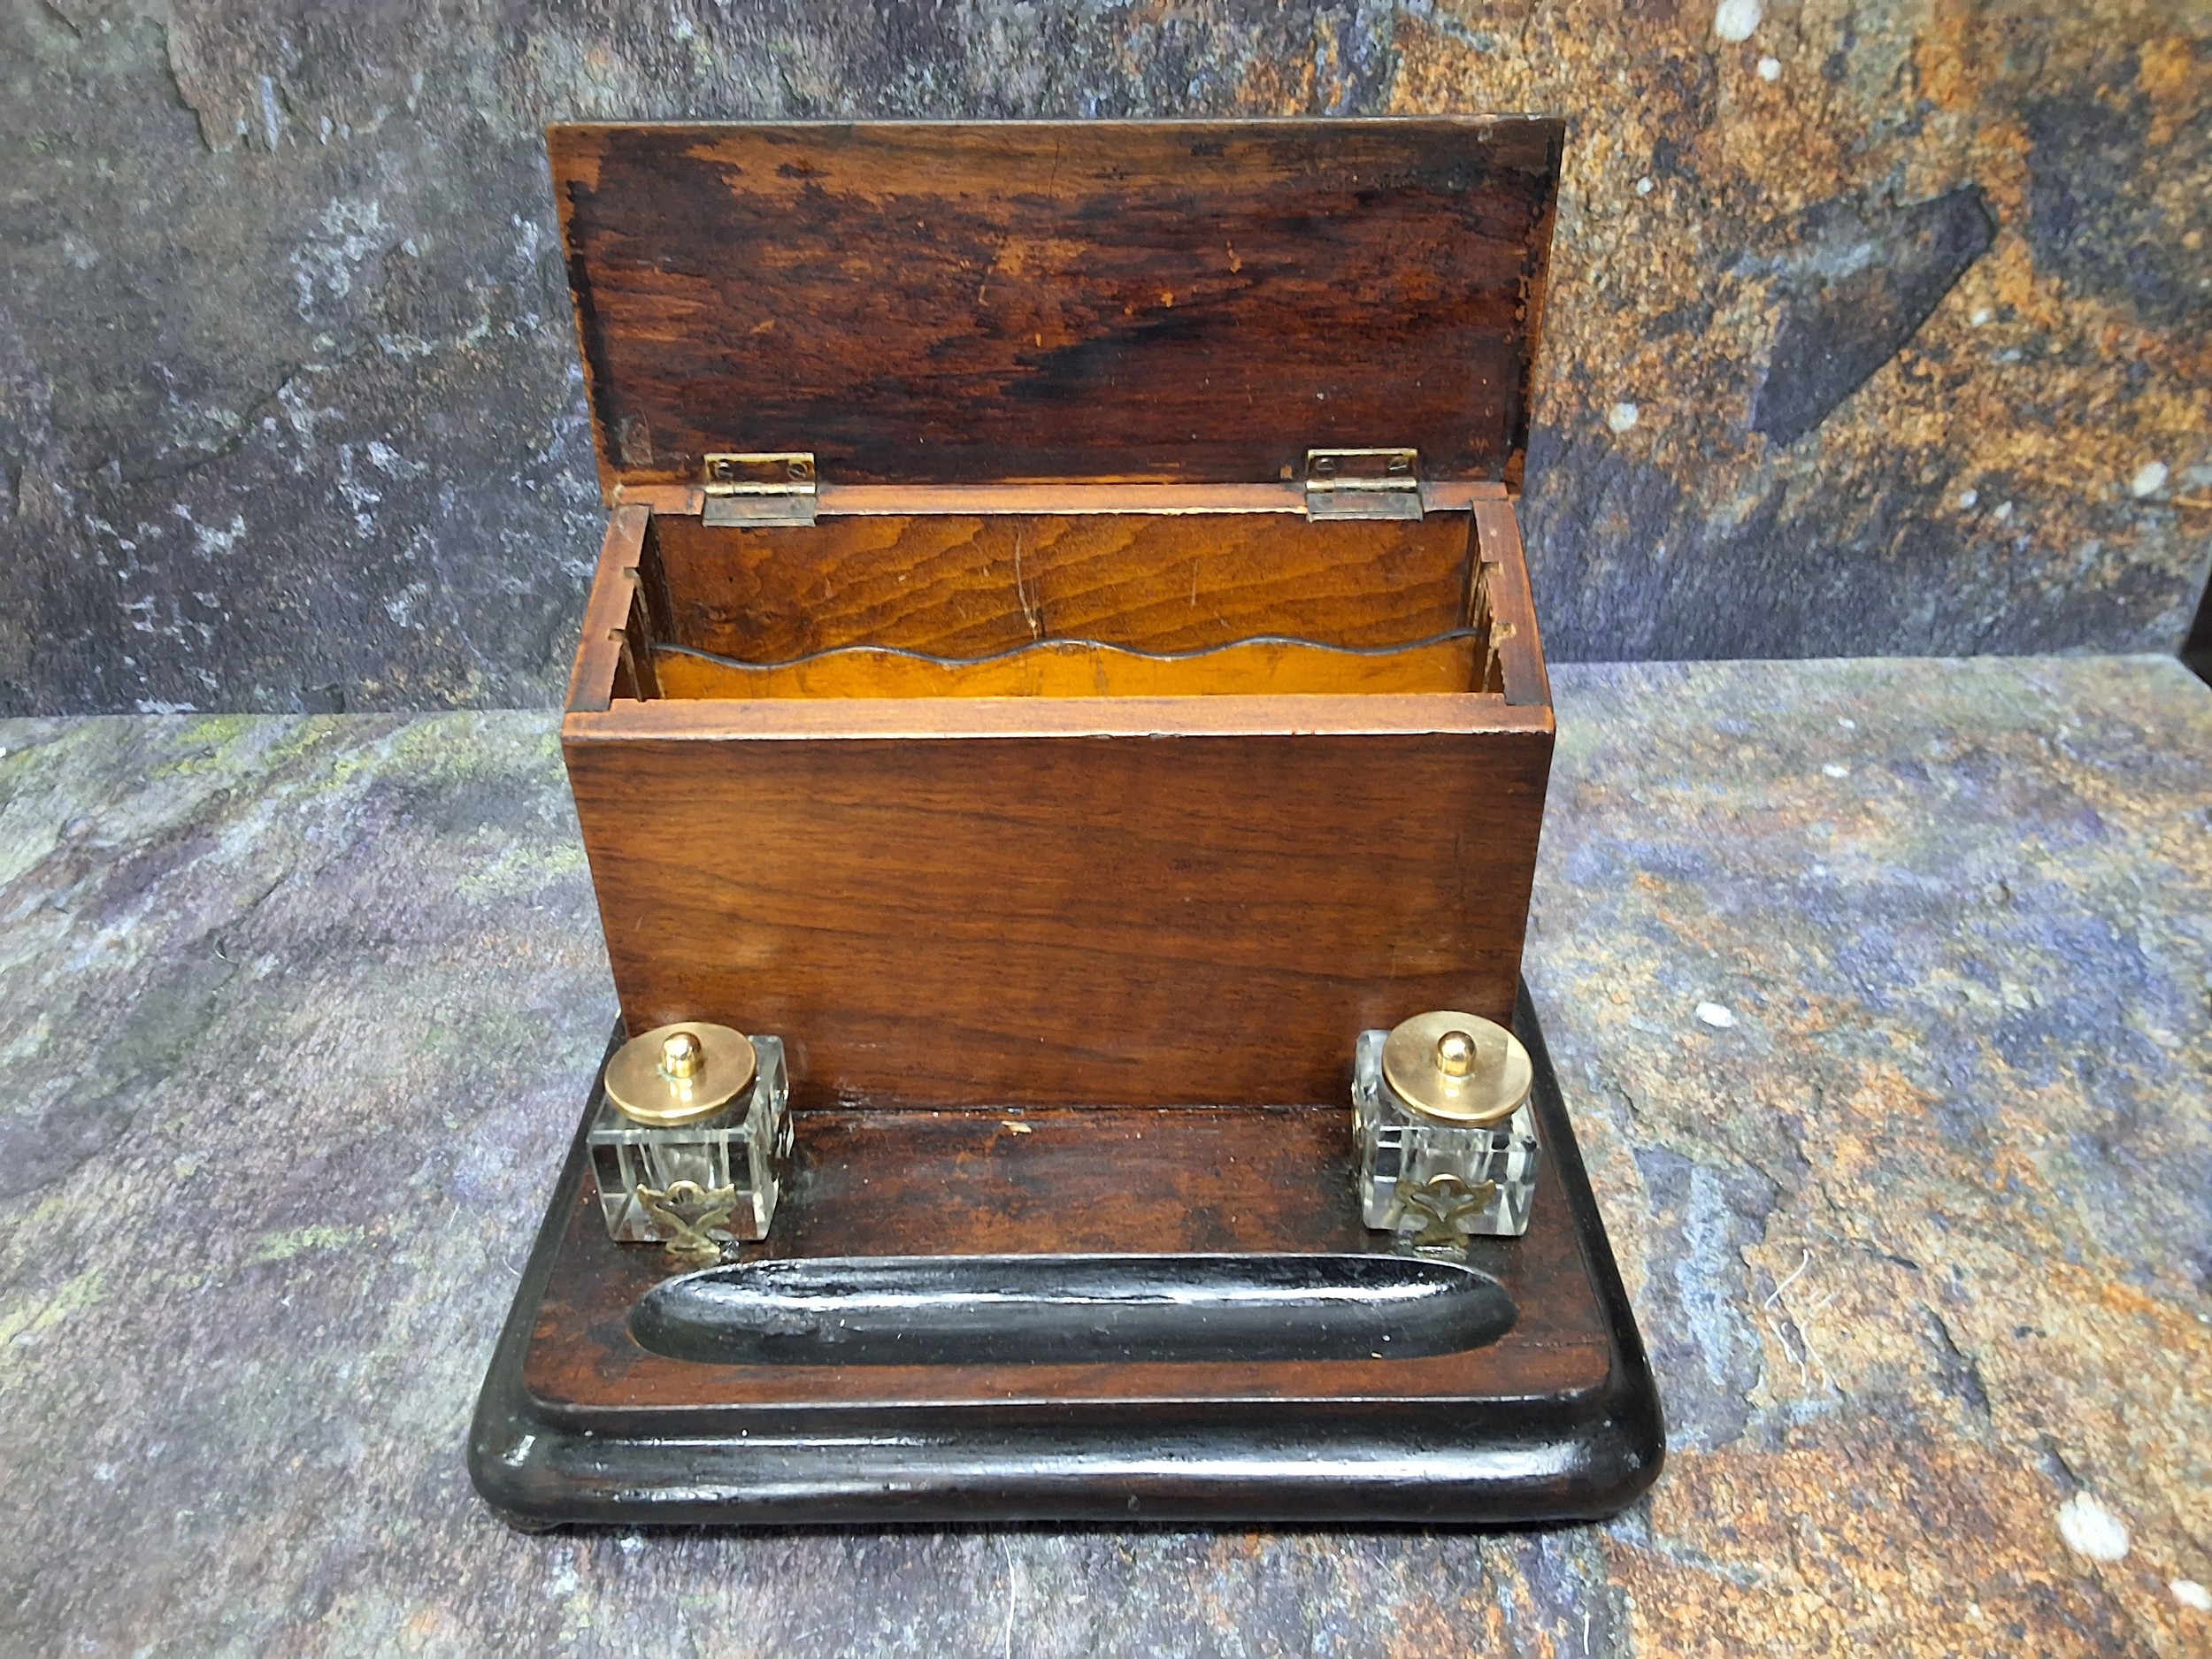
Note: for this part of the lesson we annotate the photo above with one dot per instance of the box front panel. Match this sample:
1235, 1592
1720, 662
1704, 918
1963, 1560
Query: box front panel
1155, 920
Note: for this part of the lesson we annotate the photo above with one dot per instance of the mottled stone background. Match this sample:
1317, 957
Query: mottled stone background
1875, 328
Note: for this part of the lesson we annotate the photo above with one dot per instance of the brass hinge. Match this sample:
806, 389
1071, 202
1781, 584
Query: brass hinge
759, 489
1363, 483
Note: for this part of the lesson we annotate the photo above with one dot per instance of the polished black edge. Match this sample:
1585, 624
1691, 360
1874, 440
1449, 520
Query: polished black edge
507, 1436
1421, 1467
1637, 1419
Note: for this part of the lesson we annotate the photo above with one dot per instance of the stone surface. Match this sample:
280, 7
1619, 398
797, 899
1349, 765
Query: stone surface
290, 418
1863, 289
295, 1015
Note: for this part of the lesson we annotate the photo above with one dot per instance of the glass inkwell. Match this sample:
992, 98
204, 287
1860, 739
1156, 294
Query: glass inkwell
1448, 1143
692, 1140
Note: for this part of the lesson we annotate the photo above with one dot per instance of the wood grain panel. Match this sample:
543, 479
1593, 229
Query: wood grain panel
853, 720
1514, 634
972, 586
1063, 669
947, 302
591, 679
973, 1183
1146, 920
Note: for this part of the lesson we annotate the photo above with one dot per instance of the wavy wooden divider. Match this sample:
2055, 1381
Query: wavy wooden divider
1070, 668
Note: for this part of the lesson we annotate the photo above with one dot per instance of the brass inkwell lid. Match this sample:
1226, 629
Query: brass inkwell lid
1457, 1068
680, 1073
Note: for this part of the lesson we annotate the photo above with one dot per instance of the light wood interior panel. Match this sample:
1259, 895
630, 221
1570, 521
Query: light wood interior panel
974, 585
1065, 669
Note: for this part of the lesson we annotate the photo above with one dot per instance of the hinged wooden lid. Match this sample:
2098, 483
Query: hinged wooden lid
923, 303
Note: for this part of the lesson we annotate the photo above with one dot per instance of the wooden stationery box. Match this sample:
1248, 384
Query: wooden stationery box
1063, 663
1063, 636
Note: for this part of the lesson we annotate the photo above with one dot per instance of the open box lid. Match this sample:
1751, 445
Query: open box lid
919, 303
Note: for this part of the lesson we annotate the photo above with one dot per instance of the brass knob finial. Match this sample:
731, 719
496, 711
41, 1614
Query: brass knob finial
1456, 1067
682, 1055
679, 1074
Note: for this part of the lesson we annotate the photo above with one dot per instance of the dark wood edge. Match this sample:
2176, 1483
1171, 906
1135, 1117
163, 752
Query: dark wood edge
600, 648
579, 289
1516, 639
1453, 495
1383, 714
1536, 278
1638, 1416
1522, 118
499, 1445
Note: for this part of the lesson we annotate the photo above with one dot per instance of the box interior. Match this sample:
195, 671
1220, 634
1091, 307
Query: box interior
1069, 605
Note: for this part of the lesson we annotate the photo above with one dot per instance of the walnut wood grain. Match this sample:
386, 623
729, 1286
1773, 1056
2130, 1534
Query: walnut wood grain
599, 649
1514, 634
849, 720
1153, 919
1055, 1182
938, 303
972, 586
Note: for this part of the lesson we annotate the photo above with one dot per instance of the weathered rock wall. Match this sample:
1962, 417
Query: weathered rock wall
1882, 327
